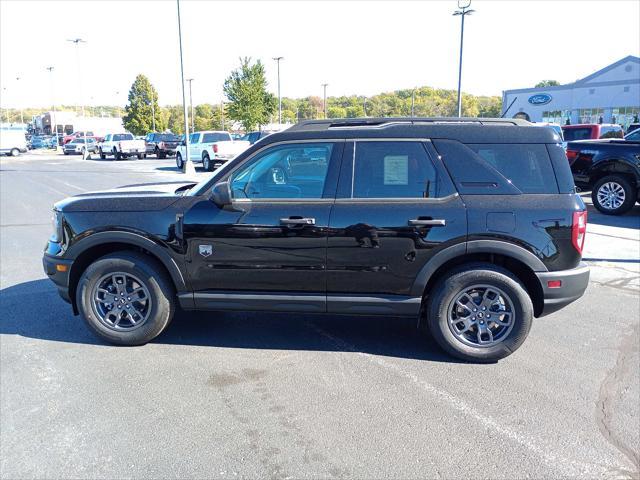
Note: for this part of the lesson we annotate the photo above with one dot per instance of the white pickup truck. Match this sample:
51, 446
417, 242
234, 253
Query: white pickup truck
121, 145
211, 148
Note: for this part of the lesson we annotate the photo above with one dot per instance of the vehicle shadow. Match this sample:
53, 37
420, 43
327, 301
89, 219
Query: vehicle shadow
34, 310
631, 219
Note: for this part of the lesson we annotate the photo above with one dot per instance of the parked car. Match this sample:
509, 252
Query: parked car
43, 141
212, 149
474, 233
67, 138
591, 131
253, 137
12, 142
78, 146
633, 135
121, 145
161, 144
610, 169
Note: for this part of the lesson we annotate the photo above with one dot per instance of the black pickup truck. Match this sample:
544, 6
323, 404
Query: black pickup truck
610, 169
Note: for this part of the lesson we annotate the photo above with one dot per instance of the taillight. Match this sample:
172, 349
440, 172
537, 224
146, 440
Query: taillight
215, 148
162, 145
579, 230
572, 155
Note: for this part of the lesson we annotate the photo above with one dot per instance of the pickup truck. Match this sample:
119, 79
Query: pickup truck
161, 144
591, 131
610, 169
121, 145
72, 136
211, 148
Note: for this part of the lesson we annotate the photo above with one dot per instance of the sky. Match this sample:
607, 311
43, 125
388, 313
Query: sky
357, 47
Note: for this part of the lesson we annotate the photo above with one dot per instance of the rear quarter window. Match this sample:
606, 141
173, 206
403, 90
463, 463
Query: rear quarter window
571, 134
526, 166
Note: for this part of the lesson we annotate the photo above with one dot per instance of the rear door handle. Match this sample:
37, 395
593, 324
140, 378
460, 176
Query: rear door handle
418, 222
297, 221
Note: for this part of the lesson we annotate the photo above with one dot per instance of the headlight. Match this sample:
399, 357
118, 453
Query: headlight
56, 219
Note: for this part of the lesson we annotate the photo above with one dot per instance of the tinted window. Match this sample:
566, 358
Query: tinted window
393, 170
286, 171
215, 137
611, 131
571, 134
633, 136
526, 166
166, 137
193, 138
122, 136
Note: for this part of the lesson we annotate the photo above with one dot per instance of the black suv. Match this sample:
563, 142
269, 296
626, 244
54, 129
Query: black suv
471, 226
161, 144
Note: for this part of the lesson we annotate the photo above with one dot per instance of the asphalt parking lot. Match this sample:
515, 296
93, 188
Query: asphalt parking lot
232, 395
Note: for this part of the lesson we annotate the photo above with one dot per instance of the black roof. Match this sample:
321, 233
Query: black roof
467, 130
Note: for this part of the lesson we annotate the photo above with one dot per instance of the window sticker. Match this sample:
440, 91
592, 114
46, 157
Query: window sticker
396, 170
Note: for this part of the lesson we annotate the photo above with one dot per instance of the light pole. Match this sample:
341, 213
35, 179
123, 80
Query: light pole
54, 125
324, 99
277, 59
413, 101
21, 111
191, 103
463, 11
77, 42
188, 166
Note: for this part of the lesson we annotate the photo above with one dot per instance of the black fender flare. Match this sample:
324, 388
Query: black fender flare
474, 246
134, 239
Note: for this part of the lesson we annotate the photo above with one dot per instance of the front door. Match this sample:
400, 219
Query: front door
271, 244
396, 207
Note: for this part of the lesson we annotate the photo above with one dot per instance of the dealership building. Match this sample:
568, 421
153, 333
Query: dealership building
610, 95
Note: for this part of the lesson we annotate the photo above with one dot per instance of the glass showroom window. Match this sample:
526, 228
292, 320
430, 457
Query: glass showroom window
625, 115
590, 115
554, 116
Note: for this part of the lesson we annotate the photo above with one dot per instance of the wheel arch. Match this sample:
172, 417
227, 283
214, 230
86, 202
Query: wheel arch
613, 166
90, 249
520, 262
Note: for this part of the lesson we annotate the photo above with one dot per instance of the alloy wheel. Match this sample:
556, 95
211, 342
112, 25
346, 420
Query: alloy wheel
611, 195
121, 301
481, 316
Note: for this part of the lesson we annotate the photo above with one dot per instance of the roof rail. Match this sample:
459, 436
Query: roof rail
334, 123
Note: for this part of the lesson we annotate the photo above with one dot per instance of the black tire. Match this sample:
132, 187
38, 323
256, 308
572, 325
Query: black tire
140, 156
116, 154
66, 153
457, 281
15, 152
206, 163
102, 155
162, 155
159, 286
615, 181
179, 162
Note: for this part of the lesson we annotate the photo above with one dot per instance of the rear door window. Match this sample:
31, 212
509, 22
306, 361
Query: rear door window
526, 166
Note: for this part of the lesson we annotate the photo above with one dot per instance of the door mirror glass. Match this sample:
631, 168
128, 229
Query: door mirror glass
221, 194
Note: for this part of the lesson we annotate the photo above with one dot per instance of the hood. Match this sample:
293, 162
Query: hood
129, 198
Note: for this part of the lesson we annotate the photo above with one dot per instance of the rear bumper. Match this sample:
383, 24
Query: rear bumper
573, 284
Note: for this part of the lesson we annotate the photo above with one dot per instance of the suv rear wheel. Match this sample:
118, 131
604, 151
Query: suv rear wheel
206, 163
126, 298
479, 313
613, 195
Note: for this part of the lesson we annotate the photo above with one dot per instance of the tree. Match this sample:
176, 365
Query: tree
246, 90
138, 118
547, 83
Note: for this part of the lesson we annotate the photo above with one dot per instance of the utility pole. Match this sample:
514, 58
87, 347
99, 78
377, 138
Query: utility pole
77, 42
188, 165
21, 111
54, 123
153, 111
277, 59
324, 99
413, 100
463, 11
364, 105
191, 103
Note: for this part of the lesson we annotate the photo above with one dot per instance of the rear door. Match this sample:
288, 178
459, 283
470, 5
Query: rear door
195, 147
396, 207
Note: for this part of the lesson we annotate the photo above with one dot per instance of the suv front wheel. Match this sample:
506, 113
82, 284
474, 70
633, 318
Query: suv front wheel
479, 313
126, 298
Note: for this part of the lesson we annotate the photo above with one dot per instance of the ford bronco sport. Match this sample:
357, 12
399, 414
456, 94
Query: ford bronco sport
471, 226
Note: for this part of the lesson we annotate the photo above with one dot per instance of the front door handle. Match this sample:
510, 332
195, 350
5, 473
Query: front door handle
297, 221
419, 222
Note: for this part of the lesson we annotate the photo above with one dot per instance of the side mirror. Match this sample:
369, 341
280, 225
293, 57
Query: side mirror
221, 194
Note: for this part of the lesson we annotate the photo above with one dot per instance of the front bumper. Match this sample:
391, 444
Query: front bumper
573, 284
57, 269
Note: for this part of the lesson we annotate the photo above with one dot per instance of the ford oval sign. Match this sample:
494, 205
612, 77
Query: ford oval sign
540, 99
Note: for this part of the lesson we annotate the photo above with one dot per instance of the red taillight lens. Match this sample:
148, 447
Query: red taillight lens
579, 230
572, 155
215, 148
